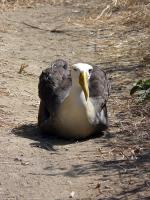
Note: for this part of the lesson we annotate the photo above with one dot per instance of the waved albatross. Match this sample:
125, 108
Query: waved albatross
73, 100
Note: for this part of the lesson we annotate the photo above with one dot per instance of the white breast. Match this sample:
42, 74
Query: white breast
74, 116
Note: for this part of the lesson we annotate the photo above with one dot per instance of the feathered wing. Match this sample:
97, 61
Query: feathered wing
99, 92
54, 86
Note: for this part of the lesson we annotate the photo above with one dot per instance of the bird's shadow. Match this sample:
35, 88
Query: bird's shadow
47, 142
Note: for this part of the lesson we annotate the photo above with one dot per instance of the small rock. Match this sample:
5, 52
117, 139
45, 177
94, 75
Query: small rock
98, 185
72, 194
25, 163
17, 159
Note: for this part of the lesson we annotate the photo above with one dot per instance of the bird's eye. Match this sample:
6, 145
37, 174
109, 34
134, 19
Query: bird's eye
74, 69
90, 71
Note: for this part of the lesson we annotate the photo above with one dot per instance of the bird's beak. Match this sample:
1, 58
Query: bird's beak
83, 80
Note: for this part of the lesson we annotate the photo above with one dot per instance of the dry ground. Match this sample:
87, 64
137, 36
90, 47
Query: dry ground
112, 167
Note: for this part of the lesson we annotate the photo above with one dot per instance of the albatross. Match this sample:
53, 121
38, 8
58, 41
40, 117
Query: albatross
73, 100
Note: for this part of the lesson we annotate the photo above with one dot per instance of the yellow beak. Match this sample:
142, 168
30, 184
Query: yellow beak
83, 81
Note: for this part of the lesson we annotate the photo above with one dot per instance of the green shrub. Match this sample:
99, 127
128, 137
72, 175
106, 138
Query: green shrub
142, 87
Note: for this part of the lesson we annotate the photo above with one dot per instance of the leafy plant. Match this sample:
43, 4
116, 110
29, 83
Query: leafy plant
142, 87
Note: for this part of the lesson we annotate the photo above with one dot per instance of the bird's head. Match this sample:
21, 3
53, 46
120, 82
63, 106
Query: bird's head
81, 73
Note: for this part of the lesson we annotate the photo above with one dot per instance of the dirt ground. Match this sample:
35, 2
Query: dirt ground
112, 167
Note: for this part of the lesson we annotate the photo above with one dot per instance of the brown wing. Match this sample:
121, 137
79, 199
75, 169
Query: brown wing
99, 92
54, 86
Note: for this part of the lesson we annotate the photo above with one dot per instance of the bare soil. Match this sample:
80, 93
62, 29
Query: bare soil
112, 167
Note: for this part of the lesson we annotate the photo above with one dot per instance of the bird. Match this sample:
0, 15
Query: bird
73, 100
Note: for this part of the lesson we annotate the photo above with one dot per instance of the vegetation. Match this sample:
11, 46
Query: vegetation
143, 89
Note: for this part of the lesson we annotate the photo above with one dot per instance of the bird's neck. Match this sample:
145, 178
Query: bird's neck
77, 95
78, 98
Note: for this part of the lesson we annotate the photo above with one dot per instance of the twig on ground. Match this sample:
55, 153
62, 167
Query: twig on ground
54, 30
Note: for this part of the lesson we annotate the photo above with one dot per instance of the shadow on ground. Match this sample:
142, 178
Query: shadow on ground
46, 142
32, 132
126, 167
126, 172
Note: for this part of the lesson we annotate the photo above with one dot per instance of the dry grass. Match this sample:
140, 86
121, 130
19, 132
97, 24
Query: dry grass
126, 27
124, 12
131, 11
126, 3
13, 4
